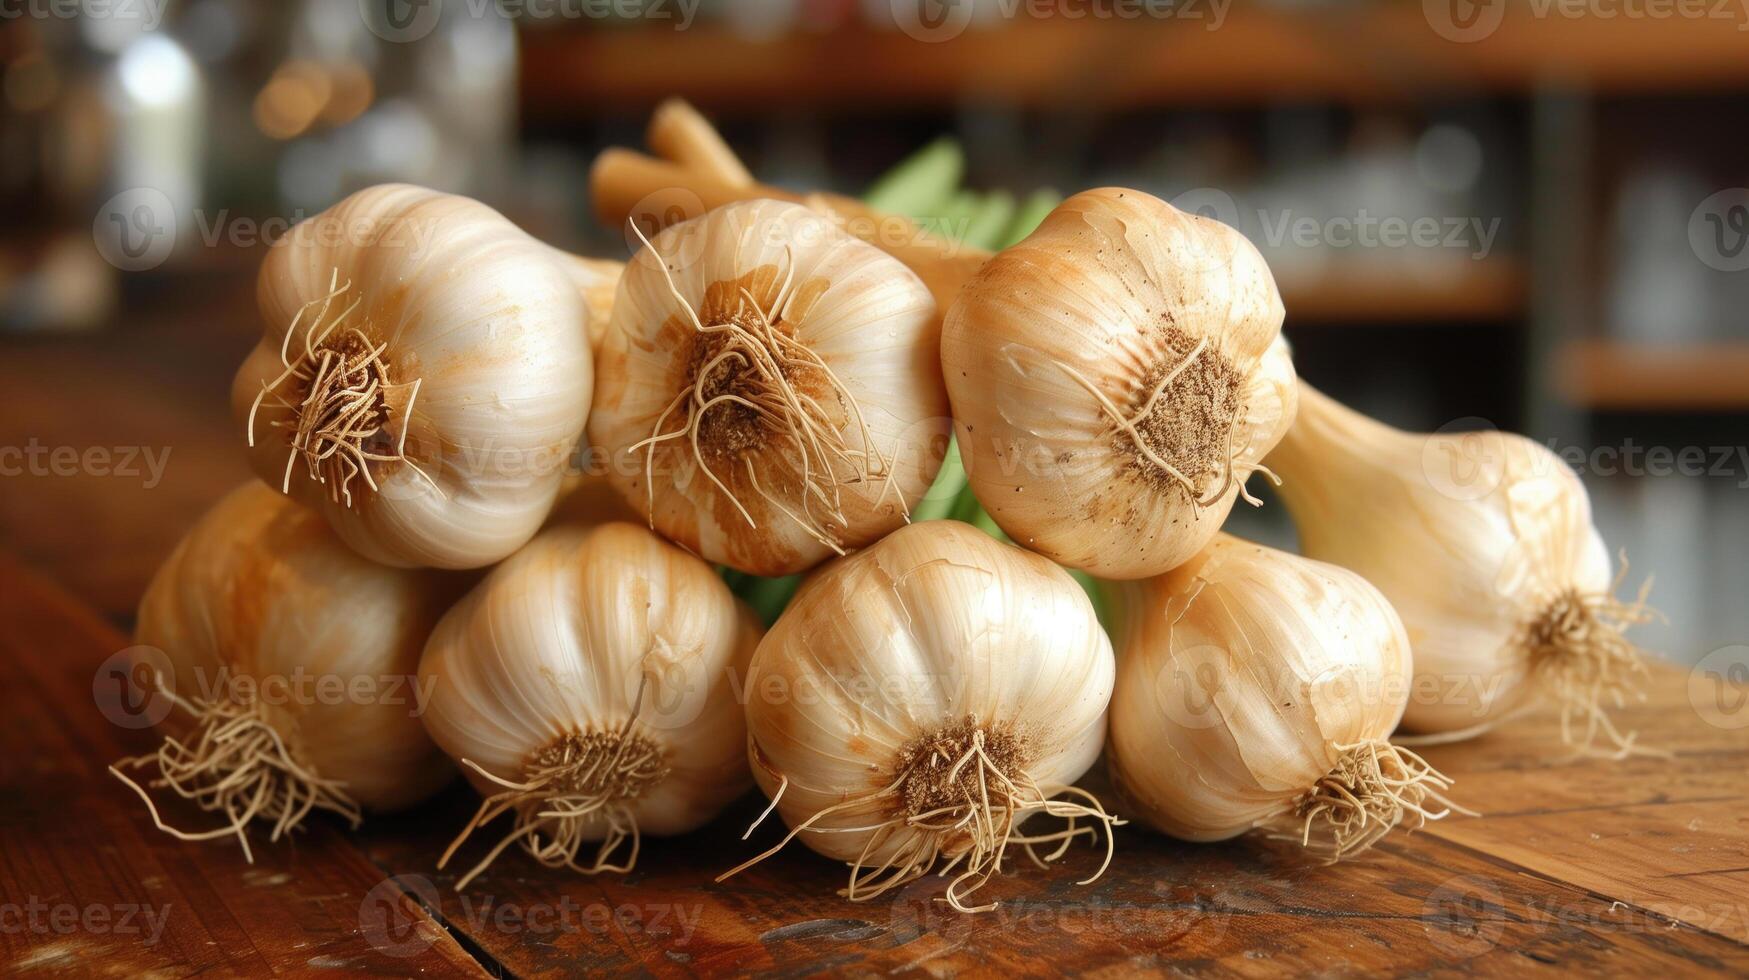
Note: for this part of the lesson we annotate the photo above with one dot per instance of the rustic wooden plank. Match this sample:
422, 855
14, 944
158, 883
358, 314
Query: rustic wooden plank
154, 390
1666, 834
1420, 902
87, 885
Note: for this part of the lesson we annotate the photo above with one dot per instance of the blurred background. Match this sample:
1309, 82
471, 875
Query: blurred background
1531, 215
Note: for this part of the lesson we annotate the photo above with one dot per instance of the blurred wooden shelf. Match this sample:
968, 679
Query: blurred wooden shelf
1603, 374
1487, 291
1373, 53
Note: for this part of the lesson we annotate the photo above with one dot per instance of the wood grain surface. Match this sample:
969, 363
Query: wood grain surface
1633, 867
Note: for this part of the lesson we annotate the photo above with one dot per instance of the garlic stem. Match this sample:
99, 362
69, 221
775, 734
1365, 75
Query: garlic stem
680, 133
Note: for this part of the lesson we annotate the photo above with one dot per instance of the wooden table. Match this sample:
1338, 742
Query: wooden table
1639, 866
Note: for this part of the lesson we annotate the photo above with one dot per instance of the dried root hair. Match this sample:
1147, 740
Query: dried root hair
235, 763
1139, 431
955, 804
347, 412
1581, 658
752, 365
1373, 787
569, 786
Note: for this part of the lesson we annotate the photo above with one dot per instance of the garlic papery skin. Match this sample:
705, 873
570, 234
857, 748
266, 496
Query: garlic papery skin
588, 687
1257, 689
296, 659
1484, 543
596, 281
770, 392
422, 379
920, 699
1114, 382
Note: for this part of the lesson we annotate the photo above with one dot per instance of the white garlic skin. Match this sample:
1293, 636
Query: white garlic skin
1470, 535
1239, 674
596, 281
934, 623
554, 642
870, 319
1096, 288
261, 588
491, 326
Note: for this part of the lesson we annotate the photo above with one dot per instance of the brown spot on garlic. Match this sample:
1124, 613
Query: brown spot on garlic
1184, 413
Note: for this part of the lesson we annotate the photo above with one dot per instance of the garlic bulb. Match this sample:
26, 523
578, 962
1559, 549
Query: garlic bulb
596, 280
920, 699
588, 687
769, 388
1484, 543
1114, 382
1257, 689
295, 657
422, 379
587, 498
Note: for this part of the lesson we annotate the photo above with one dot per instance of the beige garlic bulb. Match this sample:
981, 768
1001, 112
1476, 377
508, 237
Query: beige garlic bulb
1114, 381
770, 391
596, 281
1257, 689
423, 376
921, 699
295, 659
588, 687
1484, 543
